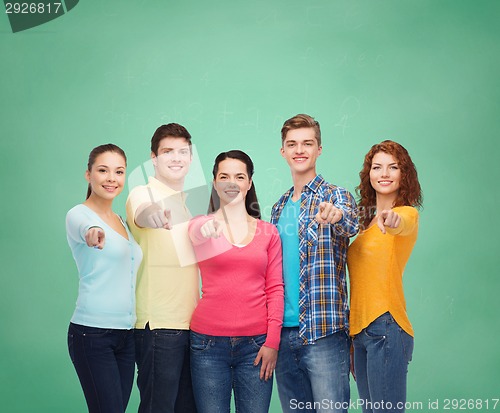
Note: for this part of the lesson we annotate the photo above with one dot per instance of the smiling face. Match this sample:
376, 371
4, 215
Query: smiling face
385, 175
301, 150
172, 162
232, 181
107, 175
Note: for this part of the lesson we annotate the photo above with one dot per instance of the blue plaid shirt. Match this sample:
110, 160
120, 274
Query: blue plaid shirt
323, 307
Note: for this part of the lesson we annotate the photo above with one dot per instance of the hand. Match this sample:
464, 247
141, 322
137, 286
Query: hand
388, 218
95, 237
211, 228
154, 216
268, 356
328, 214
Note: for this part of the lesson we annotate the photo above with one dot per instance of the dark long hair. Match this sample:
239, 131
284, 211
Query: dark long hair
410, 193
98, 150
251, 203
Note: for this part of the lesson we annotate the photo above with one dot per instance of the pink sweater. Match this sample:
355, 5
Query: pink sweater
242, 287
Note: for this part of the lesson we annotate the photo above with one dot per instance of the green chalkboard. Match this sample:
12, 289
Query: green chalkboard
424, 73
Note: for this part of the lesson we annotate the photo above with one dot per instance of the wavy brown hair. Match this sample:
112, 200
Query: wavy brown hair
410, 193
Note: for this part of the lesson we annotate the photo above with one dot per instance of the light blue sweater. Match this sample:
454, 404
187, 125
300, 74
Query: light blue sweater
106, 293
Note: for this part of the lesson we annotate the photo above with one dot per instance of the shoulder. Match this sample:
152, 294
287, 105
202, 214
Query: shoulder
281, 199
77, 212
138, 191
267, 229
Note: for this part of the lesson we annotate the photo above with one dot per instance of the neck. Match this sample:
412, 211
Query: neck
300, 180
175, 185
234, 212
99, 205
385, 202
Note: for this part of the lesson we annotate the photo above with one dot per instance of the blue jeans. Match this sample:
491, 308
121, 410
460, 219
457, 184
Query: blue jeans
104, 361
163, 371
382, 352
221, 364
314, 377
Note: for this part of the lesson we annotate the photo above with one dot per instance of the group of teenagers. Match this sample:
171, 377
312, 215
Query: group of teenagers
274, 295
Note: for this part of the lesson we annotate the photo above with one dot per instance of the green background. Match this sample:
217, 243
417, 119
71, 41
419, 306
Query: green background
423, 73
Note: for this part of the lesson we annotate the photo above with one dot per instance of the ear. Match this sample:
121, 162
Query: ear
282, 151
250, 184
320, 149
153, 158
87, 176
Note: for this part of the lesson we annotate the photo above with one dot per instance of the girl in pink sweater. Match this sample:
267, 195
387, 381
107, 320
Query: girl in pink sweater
235, 330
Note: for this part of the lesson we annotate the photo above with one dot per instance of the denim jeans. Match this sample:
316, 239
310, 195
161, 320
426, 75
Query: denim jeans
314, 377
104, 361
222, 364
382, 352
163, 371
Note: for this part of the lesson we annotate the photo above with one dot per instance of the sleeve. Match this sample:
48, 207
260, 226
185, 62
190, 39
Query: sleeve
136, 198
274, 289
194, 229
348, 224
409, 221
77, 225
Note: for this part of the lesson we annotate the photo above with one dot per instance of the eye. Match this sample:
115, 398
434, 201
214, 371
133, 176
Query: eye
184, 152
375, 167
395, 167
120, 172
102, 170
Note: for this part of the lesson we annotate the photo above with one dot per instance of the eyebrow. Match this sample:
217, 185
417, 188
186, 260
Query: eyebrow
375, 163
294, 141
227, 173
173, 149
106, 166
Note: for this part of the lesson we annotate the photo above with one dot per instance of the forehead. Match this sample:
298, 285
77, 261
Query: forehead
300, 135
111, 159
173, 143
383, 158
232, 166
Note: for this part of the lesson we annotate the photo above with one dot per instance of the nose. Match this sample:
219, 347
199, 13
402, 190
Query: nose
385, 172
176, 156
300, 148
111, 177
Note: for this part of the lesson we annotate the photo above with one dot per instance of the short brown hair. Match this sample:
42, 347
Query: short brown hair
301, 121
173, 130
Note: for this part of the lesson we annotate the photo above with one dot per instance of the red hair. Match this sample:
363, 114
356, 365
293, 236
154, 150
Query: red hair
409, 194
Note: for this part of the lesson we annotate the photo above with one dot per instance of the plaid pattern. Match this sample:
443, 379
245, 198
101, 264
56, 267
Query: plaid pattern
323, 308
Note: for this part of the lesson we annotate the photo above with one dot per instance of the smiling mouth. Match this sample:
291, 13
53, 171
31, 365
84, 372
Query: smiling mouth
300, 159
385, 182
109, 188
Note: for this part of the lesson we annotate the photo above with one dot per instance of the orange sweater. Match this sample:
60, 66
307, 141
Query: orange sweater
376, 263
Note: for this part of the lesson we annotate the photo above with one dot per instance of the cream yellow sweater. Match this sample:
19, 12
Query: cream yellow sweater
376, 263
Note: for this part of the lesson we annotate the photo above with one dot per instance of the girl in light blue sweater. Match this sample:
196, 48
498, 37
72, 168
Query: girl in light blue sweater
100, 335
